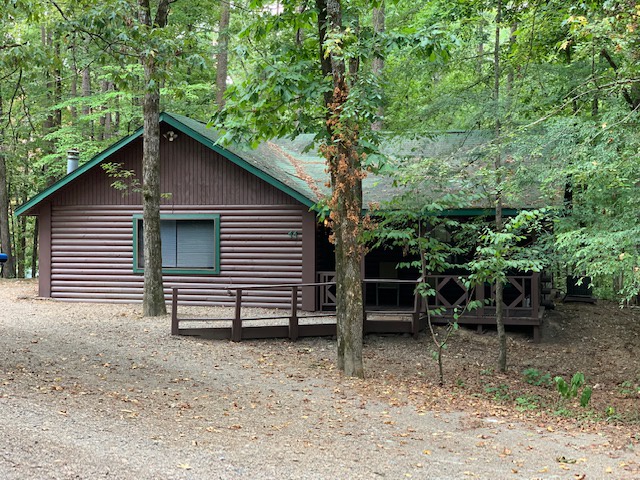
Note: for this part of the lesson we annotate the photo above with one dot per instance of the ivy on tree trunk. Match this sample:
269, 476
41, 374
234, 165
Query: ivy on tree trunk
346, 209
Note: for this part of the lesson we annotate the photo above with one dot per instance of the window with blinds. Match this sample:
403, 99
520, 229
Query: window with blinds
190, 243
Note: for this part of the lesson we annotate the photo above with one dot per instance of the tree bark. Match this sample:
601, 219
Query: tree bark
86, 92
502, 337
105, 120
5, 235
223, 53
346, 210
20, 242
377, 65
153, 303
74, 81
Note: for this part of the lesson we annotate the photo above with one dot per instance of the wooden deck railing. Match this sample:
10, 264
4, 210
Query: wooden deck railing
522, 295
522, 307
239, 330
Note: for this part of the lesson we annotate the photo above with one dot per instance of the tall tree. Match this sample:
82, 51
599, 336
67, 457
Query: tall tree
307, 77
346, 171
5, 234
377, 64
222, 62
499, 284
153, 303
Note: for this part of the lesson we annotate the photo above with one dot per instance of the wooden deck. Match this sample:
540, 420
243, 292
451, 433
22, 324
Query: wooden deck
522, 298
293, 323
522, 307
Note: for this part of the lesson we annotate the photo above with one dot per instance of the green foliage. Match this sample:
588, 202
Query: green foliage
508, 250
526, 403
571, 390
125, 181
500, 393
534, 377
629, 389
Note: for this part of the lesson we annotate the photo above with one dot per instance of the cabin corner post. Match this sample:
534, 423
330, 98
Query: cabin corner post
44, 255
309, 296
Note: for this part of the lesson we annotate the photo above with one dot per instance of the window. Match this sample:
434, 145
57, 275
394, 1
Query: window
190, 244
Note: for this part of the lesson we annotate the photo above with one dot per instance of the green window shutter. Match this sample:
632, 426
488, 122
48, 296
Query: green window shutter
196, 244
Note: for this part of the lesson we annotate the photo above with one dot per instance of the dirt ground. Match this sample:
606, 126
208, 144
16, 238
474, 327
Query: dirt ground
97, 391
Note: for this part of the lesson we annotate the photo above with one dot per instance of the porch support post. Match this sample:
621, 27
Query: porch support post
535, 305
174, 311
236, 324
293, 319
535, 295
309, 294
365, 322
415, 316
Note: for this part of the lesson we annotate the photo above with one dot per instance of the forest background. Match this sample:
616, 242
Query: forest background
556, 82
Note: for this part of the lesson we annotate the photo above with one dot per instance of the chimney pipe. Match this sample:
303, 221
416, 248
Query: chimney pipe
73, 156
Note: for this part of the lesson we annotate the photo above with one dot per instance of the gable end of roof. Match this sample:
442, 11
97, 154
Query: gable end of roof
207, 140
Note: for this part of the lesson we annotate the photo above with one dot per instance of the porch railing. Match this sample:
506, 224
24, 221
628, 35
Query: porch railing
521, 298
243, 327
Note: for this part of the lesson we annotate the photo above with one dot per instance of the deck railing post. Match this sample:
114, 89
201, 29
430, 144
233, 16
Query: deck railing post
535, 294
415, 316
174, 311
236, 325
293, 319
480, 287
364, 308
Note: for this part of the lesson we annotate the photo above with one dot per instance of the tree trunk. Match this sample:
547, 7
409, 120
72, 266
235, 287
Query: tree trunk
57, 78
20, 241
377, 65
153, 303
502, 337
346, 211
223, 53
86, 92
74, 81
105, 120
5, 235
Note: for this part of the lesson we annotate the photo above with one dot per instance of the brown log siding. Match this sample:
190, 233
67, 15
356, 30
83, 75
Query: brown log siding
91, 230
92, 254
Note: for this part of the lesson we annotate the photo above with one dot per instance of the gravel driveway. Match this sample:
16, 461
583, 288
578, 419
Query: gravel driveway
96, 391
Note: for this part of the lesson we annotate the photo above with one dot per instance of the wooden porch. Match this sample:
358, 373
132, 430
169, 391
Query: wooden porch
293, 323
521, 307
522, 301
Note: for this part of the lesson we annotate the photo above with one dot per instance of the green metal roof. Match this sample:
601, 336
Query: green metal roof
293, 167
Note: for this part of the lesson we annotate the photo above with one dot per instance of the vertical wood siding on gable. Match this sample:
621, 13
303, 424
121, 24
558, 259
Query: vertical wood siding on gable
92, 254
191, 173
